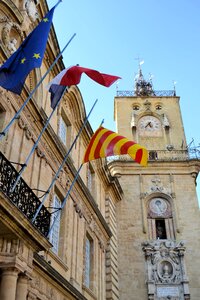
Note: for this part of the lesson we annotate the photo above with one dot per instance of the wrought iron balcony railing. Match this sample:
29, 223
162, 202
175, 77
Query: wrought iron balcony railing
167, 93
22, 197
164, 155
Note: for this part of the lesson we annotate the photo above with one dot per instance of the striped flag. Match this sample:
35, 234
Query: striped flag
105, 143
72, 76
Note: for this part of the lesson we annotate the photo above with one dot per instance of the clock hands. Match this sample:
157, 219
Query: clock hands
148, 124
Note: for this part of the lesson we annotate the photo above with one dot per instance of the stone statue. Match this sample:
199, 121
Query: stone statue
31, 9
160, 231
12, 45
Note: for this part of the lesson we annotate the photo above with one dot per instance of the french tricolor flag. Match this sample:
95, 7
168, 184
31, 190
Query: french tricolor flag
72, 76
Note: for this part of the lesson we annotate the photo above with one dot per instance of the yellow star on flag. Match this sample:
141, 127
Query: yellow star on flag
45, 20
23, 60
36, 55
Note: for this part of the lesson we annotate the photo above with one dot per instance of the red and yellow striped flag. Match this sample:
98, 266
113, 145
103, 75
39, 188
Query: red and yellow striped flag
105, 143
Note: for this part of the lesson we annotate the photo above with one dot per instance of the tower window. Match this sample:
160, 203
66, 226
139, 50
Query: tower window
160, 229
153, 155
136, 107
159, 216
158, 107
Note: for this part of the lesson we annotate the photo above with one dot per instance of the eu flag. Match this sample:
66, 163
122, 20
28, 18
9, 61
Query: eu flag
28, 56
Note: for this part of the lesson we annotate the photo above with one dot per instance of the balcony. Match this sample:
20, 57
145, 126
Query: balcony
167, 93
162, 155
22, 197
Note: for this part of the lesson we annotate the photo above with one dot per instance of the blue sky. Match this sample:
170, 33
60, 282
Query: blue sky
111, 34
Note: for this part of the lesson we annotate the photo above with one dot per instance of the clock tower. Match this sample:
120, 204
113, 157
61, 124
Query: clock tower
158, 218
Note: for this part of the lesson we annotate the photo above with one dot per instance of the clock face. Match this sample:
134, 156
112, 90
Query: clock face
149, 126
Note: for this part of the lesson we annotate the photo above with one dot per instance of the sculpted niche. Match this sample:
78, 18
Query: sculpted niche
31, 9
166, 272
11, 34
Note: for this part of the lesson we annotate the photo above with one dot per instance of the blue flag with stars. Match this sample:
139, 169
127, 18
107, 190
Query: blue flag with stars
28, 56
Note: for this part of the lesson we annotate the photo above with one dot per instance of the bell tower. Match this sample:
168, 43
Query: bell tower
158, 218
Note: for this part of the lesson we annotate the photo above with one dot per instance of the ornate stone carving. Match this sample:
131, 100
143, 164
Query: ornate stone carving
147, 105
31, 9
166, 269
165, 121
11, 246
159, 207
9, 41
133, 120
28, 133
39, 152
21, 123
157, 185
12, 45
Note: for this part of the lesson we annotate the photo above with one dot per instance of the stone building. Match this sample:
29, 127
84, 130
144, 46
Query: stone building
158, 218
126, 232
68, 263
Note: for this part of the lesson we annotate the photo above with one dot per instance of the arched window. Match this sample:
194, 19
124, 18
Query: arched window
160, 219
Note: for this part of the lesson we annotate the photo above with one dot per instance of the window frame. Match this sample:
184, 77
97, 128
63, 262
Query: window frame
54, 236
63, 130
88, 262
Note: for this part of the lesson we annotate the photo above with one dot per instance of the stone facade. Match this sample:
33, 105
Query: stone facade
126, 232
158, 219
33, 263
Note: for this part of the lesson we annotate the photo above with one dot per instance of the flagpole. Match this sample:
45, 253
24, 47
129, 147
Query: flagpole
63, 162
65, 199
35, 145
58, 3
3, 133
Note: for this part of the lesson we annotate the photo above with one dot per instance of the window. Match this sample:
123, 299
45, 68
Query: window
160, 229
90, 179
55, 232
153, 155
88, 262
63, 131
136, 107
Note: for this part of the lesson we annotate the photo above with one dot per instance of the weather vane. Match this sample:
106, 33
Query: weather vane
140, 62
174, 85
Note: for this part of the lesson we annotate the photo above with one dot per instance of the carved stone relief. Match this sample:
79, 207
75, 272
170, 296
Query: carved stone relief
157, 185
31, 9
11, 246
147, 105
11, 34
166, 270
159, 207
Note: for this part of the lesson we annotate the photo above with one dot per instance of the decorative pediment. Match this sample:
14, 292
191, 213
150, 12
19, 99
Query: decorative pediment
166, 270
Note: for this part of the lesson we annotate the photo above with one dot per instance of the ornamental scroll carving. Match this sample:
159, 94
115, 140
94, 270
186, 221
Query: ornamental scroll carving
11, 34
166, 270
31, 9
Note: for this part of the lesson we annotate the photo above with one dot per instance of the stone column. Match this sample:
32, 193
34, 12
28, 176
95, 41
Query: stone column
22, 287
8, 284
